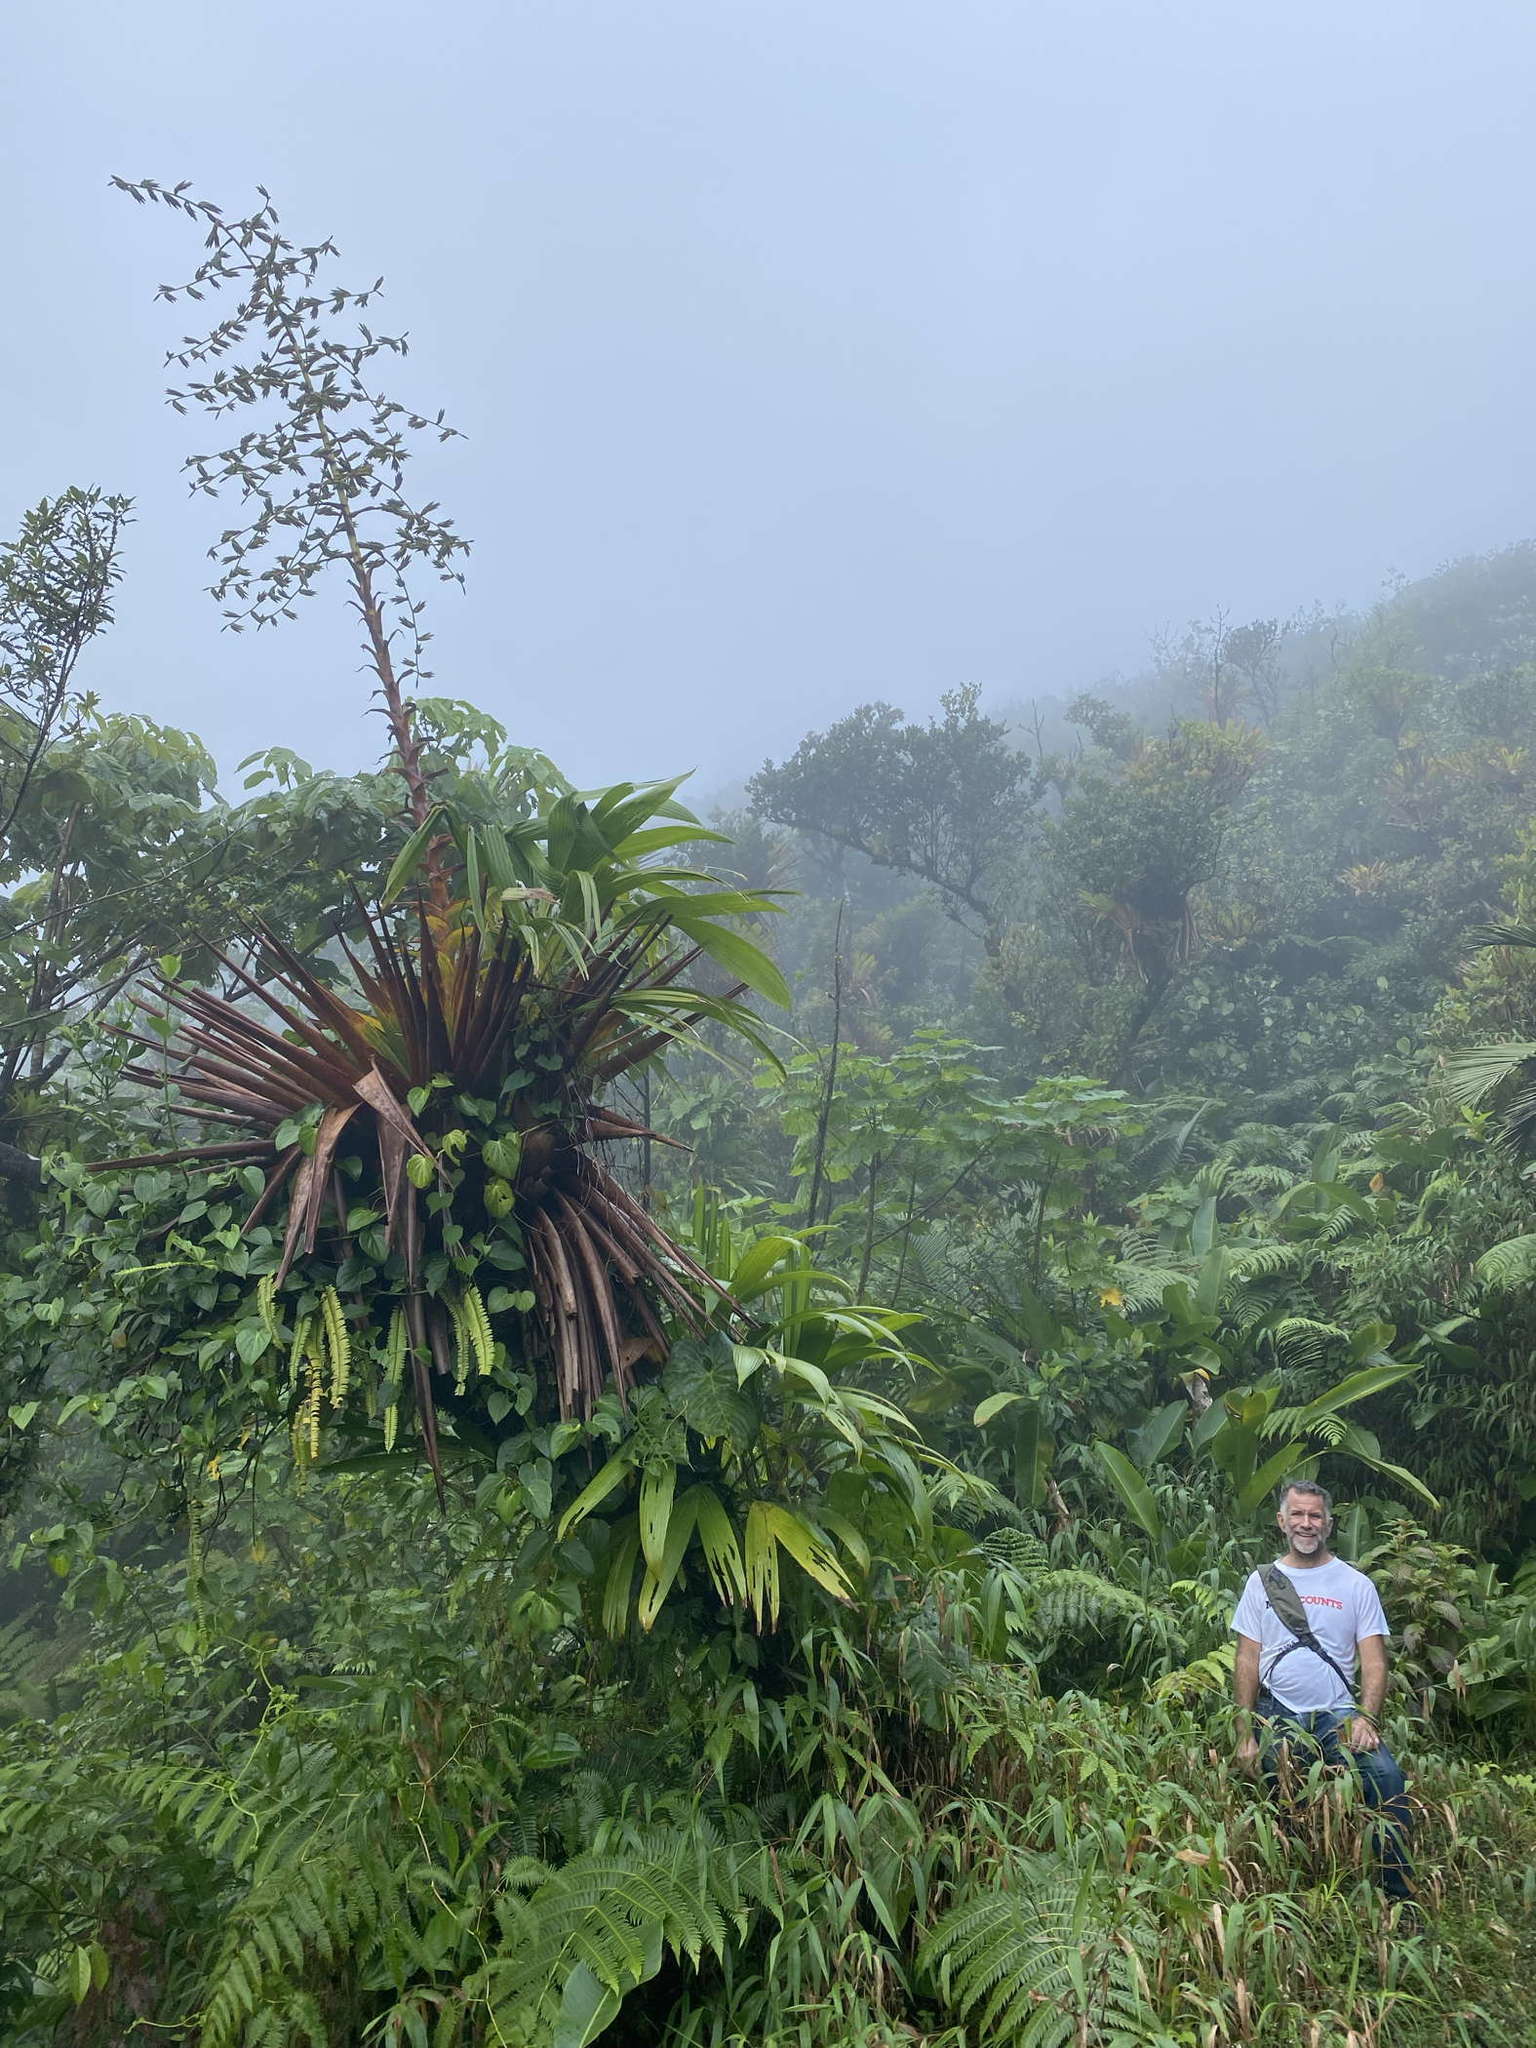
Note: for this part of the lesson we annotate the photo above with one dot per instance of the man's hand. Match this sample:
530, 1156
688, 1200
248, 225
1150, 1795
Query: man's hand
1362, 1734
1245, 1691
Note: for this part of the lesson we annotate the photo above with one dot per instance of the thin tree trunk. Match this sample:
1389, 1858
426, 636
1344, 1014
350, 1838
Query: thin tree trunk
906, 1237
824, 1116
869, 1226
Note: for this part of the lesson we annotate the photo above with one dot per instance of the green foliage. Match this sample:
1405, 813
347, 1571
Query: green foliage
1046, 1962
814, 1628
946, 801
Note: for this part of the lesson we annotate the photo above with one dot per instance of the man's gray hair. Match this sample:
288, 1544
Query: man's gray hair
1290, 1486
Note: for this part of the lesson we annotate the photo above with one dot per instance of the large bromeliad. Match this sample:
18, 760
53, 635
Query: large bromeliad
437, 1135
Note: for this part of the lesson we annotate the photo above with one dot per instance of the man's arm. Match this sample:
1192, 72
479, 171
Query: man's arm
1363, 1731
1245, 1693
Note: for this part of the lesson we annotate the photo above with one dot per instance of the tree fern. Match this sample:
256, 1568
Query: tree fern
304, 1909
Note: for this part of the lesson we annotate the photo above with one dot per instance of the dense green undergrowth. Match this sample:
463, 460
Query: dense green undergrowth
318, 1806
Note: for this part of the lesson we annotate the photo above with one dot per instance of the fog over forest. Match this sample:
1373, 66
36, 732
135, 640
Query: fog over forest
810, 354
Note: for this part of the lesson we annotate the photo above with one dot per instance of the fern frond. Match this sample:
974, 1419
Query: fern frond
1300, 1341
1046, 1963
593, 1930
1143, 1286
1209, 1674
1267, 1261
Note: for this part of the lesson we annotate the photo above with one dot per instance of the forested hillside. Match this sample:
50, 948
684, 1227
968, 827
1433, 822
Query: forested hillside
632, 1427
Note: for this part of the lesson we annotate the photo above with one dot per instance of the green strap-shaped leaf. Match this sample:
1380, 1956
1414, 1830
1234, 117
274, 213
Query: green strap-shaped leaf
1354, 1442
658, 1483
1132, 1489
405, 861
755, 1266
621, 1572
1032, 1451
738, 956
849, 1535
595, 1492
993, 1406
659, 1581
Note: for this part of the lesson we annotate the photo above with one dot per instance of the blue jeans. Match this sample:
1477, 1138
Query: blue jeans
1381, 1780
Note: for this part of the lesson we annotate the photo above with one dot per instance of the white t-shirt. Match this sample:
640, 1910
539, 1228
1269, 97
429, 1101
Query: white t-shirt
1343, 1608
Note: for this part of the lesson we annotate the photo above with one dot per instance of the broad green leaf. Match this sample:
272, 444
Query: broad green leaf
80, 1975
1215, 1418
994, 1405
1132, 1489
1235, 1449
1158, 1434
586, 2007
1370, 1341
1291, 1461
251, 1340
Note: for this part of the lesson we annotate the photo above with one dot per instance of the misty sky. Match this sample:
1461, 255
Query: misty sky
807, 350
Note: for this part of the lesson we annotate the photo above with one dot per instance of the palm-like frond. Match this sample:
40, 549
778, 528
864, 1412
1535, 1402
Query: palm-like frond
1160, 1157
1510, 933
1510, 1264
1478, 1071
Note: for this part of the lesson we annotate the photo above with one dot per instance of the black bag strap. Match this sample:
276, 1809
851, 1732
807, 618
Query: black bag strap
1283, 1597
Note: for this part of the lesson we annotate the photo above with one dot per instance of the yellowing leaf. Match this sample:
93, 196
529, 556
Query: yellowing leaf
657, 1486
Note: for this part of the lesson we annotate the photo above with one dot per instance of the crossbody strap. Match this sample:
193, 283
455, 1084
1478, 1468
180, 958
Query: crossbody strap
1287, 1603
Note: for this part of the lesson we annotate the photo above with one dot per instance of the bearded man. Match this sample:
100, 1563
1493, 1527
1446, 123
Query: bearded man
1304, 1625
